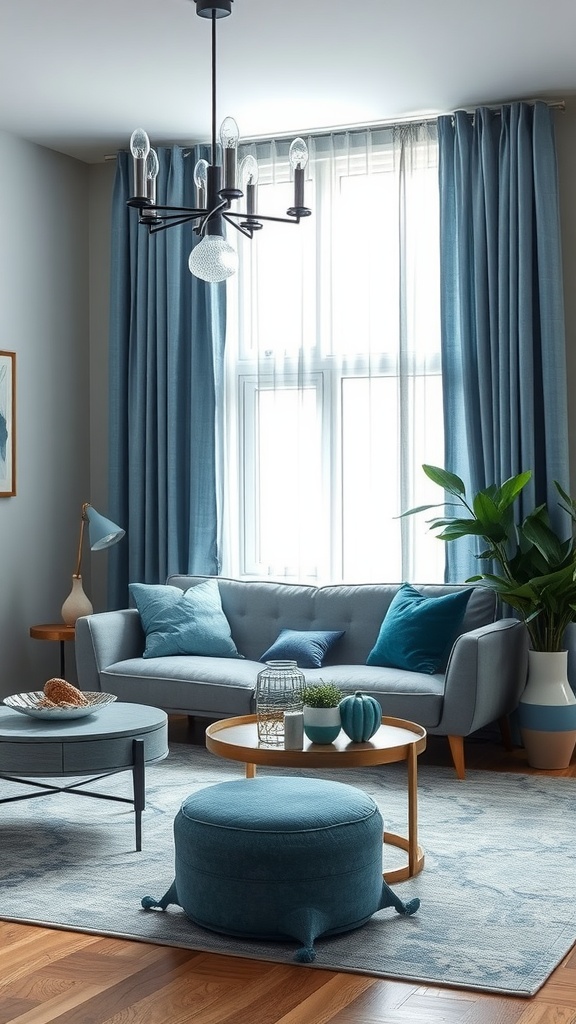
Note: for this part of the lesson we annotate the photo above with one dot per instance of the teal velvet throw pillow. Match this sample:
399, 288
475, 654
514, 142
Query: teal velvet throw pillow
417, 630
183, 621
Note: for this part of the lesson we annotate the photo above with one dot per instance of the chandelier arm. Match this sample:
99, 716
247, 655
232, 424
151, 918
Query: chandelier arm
242, 228
260, 216
155, 226
191, 211
210, 214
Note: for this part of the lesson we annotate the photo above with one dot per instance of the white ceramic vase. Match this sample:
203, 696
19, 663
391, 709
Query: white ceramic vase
76, 604
547, 711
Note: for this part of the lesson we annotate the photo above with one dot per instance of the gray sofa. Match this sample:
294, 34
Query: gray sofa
481, 682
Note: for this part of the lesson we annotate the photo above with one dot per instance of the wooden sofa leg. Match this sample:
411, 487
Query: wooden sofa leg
457, 751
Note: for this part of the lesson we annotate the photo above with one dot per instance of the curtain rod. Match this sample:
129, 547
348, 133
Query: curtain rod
398, 122
392, 123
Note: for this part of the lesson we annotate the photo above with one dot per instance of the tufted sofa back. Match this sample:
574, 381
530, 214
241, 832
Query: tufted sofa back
258, 609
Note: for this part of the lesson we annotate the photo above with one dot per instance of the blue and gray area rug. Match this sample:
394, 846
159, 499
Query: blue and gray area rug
498, 891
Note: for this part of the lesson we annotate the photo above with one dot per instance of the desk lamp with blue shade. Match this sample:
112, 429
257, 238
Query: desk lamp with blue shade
103, 533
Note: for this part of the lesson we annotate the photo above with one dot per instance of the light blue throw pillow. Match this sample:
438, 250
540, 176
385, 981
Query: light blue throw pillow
307, 647
183, 621
417, 630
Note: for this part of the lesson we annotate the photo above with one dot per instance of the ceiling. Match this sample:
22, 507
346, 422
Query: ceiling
79, 75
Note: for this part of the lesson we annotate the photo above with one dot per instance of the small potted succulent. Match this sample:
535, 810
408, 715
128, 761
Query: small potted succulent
322, 712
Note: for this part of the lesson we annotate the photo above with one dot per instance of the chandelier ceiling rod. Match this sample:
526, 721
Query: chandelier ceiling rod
213, 87
212, 258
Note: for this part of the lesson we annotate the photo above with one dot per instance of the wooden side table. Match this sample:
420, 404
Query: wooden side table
55, 631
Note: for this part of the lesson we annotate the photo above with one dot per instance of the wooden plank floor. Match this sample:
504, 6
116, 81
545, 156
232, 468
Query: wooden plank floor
53, 975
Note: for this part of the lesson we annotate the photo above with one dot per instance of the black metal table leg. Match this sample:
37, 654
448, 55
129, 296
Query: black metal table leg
139, 786
62, 661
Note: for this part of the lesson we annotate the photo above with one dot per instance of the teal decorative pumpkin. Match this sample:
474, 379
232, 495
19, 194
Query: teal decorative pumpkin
361, 716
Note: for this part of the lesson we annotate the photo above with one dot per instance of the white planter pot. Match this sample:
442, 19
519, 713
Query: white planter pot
322, 725
547, 711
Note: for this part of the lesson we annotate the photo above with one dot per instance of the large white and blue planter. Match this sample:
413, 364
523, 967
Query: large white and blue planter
547, 711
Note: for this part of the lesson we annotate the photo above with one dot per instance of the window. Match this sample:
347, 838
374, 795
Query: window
334, 390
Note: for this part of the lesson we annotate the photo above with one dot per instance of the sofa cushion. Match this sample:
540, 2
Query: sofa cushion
215, 687
416, 630
307, 647
183, 622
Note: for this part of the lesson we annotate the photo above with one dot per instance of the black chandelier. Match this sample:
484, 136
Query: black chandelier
212, 258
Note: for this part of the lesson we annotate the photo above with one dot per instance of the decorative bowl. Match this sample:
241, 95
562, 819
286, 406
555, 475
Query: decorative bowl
27, 704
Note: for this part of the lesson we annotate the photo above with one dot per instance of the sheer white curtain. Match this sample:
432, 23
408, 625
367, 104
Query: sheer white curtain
333, 377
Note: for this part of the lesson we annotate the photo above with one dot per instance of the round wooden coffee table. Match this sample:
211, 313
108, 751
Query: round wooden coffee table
396, 740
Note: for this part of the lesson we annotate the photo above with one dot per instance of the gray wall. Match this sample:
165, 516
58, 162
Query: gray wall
54, 279
44, 304
100, 193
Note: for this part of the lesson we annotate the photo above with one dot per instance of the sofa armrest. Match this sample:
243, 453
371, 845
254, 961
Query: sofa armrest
485, 677
103, 639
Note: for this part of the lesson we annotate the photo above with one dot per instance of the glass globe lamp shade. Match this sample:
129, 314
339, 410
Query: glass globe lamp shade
213, 259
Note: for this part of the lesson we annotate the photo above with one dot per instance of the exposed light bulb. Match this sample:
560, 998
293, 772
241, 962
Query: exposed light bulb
152, 165
139, 144
248, 171
201, 173
248, 183
213, 259
229, 133
298, 154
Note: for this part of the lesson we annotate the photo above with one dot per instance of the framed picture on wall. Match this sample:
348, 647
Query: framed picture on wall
7, 424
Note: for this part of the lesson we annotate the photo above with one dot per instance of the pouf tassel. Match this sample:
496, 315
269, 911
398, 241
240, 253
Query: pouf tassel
306, 955
169, 897
305, 924
388, 898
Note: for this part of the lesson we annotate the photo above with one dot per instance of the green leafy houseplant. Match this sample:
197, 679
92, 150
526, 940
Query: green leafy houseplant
536, 568
322, 695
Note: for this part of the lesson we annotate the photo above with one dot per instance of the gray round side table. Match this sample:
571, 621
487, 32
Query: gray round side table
118, 738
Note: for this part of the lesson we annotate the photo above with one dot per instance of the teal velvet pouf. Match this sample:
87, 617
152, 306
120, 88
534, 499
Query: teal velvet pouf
279, 858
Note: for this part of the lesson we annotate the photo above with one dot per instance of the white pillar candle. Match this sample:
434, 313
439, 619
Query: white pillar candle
293, 730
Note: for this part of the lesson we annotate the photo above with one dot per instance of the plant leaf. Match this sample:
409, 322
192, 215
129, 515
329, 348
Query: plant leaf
449, 481
538, 532
511, 488
462, 528
485, 509
419, 508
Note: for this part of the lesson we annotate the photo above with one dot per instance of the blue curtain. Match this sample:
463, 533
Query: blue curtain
166, 363
503, 340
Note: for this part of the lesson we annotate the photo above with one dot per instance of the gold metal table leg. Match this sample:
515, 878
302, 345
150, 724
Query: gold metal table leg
410, 845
